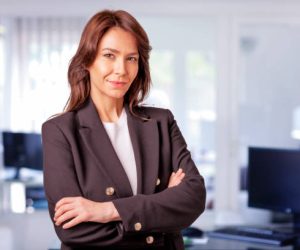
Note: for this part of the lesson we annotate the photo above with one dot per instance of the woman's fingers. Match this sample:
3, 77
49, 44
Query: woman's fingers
67, 208
63, 209
64, 201
176, 178
66, 216
75, 221
179, 171
181, 176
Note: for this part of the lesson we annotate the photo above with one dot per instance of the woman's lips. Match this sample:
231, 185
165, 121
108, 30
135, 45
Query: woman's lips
117, 84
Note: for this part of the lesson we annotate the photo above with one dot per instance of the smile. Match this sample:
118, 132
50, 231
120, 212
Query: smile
117, 84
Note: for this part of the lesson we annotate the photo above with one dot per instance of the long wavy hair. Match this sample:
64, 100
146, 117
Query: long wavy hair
78, 75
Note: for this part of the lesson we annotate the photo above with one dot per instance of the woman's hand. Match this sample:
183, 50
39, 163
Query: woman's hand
176, 178
71, 211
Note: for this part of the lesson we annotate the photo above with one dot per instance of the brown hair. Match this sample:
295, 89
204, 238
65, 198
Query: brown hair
97, 26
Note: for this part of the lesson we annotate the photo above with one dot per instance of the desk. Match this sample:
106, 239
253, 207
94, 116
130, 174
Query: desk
221, 244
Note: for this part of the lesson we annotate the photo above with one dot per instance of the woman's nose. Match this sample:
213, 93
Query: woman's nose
120, 67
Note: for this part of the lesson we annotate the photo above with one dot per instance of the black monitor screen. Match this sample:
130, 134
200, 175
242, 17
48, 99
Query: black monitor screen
274, 179
22, 150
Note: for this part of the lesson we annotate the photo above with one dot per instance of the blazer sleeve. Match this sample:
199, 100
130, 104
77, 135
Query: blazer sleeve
173, 208
60, 181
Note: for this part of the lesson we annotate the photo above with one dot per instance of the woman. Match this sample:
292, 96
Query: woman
117, 175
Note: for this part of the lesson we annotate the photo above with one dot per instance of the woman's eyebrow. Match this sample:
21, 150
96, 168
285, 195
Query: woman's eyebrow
117, 51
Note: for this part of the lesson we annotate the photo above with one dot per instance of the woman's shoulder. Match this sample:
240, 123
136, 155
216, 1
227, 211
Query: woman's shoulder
64, 119
155, 112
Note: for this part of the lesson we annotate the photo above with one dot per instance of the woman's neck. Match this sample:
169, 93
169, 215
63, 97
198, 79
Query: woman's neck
109, 110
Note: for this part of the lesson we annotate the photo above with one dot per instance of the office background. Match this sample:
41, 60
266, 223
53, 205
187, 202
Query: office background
229, 70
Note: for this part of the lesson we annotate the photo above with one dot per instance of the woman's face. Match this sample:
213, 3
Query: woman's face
115, 66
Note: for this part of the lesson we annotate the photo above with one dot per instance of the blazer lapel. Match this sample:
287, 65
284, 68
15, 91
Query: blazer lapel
99, 145
145, 141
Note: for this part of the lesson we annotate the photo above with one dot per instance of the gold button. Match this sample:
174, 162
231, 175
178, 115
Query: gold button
149, 239
110, 191
137, 226
157, 181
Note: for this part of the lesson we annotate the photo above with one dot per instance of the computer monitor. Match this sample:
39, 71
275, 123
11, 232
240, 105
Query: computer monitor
22, 150
274, 180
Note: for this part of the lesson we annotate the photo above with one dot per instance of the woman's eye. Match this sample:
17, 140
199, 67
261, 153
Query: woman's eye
132, 59
108, 55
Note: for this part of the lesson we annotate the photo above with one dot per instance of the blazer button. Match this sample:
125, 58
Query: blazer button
137, 226
157, 181
110, 191
150, 240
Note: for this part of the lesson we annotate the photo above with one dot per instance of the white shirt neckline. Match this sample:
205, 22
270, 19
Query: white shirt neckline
120, 121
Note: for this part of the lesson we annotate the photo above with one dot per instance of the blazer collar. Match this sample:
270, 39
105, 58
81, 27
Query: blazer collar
145, 141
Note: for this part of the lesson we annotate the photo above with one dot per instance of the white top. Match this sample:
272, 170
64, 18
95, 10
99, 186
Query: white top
118, 134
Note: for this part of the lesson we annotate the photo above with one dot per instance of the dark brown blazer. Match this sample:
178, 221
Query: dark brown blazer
79, 160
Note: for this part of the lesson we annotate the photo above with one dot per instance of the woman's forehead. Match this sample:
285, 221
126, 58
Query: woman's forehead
118, 39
